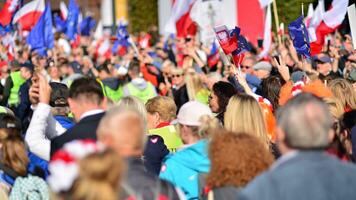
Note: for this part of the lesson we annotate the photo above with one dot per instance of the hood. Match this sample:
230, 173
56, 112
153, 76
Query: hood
112, 83
139, 83
194, 157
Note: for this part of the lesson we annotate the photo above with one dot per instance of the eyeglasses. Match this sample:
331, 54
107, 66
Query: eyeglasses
177, 75
246, 67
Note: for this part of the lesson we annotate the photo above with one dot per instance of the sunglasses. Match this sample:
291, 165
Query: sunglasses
246, 67
177, 75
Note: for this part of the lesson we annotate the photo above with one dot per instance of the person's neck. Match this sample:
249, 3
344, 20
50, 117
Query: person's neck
191, 140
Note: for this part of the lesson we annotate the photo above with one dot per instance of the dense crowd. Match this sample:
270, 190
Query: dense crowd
170, 119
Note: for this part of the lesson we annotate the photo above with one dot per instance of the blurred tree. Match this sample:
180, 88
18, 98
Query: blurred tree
142, 14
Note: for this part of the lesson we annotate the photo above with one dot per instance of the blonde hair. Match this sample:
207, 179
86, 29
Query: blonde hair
343, 93
164, 106
134, 103
13, 150
194, 84
244, 115
208, 127
335, 107
99, 177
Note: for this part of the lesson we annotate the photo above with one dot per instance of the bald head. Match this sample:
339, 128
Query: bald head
123, 130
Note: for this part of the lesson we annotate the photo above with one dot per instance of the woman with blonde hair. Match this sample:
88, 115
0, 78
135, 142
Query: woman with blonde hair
91, 173
196, 88
344, 93
244, 115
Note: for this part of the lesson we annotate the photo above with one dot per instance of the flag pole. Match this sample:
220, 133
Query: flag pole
276, 20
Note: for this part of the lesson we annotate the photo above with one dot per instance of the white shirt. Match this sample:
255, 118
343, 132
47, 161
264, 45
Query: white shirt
91, 112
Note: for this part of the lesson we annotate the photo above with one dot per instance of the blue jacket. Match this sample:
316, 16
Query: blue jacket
303, 176
183, 167
65, 122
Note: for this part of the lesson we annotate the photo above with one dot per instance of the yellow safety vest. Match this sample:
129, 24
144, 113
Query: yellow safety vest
17, 81
169, 135
144, 95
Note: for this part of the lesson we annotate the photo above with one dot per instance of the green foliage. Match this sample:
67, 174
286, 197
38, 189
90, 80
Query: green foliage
142, 14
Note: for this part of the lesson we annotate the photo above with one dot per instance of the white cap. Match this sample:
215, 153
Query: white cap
190, 113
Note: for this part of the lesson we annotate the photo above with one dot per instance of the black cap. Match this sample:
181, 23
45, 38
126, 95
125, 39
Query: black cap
29, 66
59, 95
9, 121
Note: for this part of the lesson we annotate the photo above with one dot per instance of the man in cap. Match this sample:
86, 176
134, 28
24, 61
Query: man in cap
324, 66
304, 171
262, 69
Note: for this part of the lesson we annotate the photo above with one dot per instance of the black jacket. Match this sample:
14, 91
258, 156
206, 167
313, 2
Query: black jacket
84, 129
180, 96
140, 184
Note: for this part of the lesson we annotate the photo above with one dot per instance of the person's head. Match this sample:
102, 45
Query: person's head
195, 120
131, 102
26, 70
335, 107
12, 147
221, 93
236, 159
134, 69
304, 122
167, 67
104, 71
85, 94
194, 84
59, 99
64, 68
343, 92
92, 173
244, 115
247, 64
178, 77
160, 109
262, 69
123, 129
270, 90
323, 64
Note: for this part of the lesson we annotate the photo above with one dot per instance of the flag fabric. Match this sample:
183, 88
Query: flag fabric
180, 22
8, 41
122, 40
330, 22
299, 36
72, 20
87, 25
267, 38
59, 23
103, 48
242, 46
5, 29
41, 36
63, 10
99, 31
27, 16
309, 15
8, 11
213, 57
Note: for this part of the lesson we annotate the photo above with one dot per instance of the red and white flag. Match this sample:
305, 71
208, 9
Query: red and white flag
29, 14
63, 10
180, 22
309, 15
8, 11
9, 43
331, 20
102, 47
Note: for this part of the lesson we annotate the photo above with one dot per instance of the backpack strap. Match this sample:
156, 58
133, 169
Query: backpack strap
9, 171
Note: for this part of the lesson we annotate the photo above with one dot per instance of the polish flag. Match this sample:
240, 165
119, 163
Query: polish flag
102, 48
8, 42
29, 14
309, 15
331, 20
180, 21
63, 10
7, 12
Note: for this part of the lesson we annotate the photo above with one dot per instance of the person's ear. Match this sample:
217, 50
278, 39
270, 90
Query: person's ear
157, 118
71, 103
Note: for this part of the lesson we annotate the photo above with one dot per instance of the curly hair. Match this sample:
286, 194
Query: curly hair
236, 159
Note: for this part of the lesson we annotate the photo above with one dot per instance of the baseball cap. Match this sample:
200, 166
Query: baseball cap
263, 65
29, 66
59, 95
191, 112
9, 121
323, 58
298, 76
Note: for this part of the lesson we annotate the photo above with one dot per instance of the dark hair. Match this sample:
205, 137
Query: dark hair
348, 120
86, 87
134, 67
224, 91
271, 87
104, 67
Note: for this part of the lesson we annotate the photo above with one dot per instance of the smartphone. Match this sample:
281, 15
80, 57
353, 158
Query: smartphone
260, 43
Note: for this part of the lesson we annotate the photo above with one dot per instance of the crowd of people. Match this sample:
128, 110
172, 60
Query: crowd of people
165, 121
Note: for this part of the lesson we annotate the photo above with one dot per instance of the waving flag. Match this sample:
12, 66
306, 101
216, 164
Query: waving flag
27, 16
213, 57
87, 25
4, 30
267, 37
309, 15
72, 20
299, 35
8, 11
63, 10
8, 41
59, 23
242, 46
122, 42
41, 36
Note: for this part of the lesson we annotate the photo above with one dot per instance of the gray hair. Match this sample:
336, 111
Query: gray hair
306, 122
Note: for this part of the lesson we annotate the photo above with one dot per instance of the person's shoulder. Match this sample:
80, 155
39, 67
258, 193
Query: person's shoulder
257, 188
